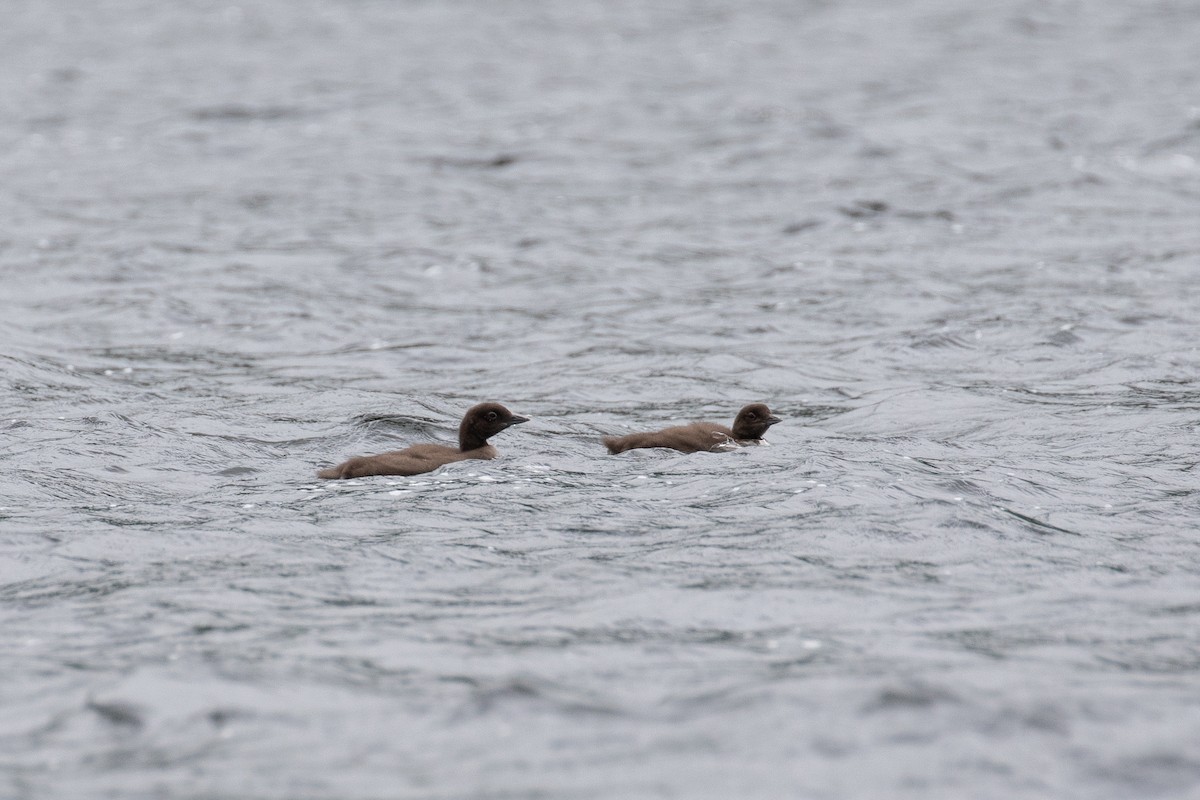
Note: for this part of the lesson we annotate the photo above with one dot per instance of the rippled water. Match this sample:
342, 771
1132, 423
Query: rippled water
954, 245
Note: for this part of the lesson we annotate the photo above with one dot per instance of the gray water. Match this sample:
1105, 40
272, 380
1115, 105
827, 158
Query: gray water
955, 245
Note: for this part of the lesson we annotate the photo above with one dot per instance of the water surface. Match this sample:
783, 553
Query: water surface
956, 247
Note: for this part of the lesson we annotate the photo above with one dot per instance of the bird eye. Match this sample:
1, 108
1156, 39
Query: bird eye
491, 416
751, 415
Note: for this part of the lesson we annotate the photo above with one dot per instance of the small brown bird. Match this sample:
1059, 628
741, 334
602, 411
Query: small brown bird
749, 427
478, 424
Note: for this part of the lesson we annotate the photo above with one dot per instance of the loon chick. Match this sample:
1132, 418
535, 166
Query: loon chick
749, 427
478, 424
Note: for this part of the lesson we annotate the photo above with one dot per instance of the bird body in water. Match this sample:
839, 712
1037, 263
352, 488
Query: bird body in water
480, 423
748, 428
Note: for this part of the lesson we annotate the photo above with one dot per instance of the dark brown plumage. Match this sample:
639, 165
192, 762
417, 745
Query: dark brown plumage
748, 428
479, 424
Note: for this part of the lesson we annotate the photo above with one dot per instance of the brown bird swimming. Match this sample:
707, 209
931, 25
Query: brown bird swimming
479, 424
749, 427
